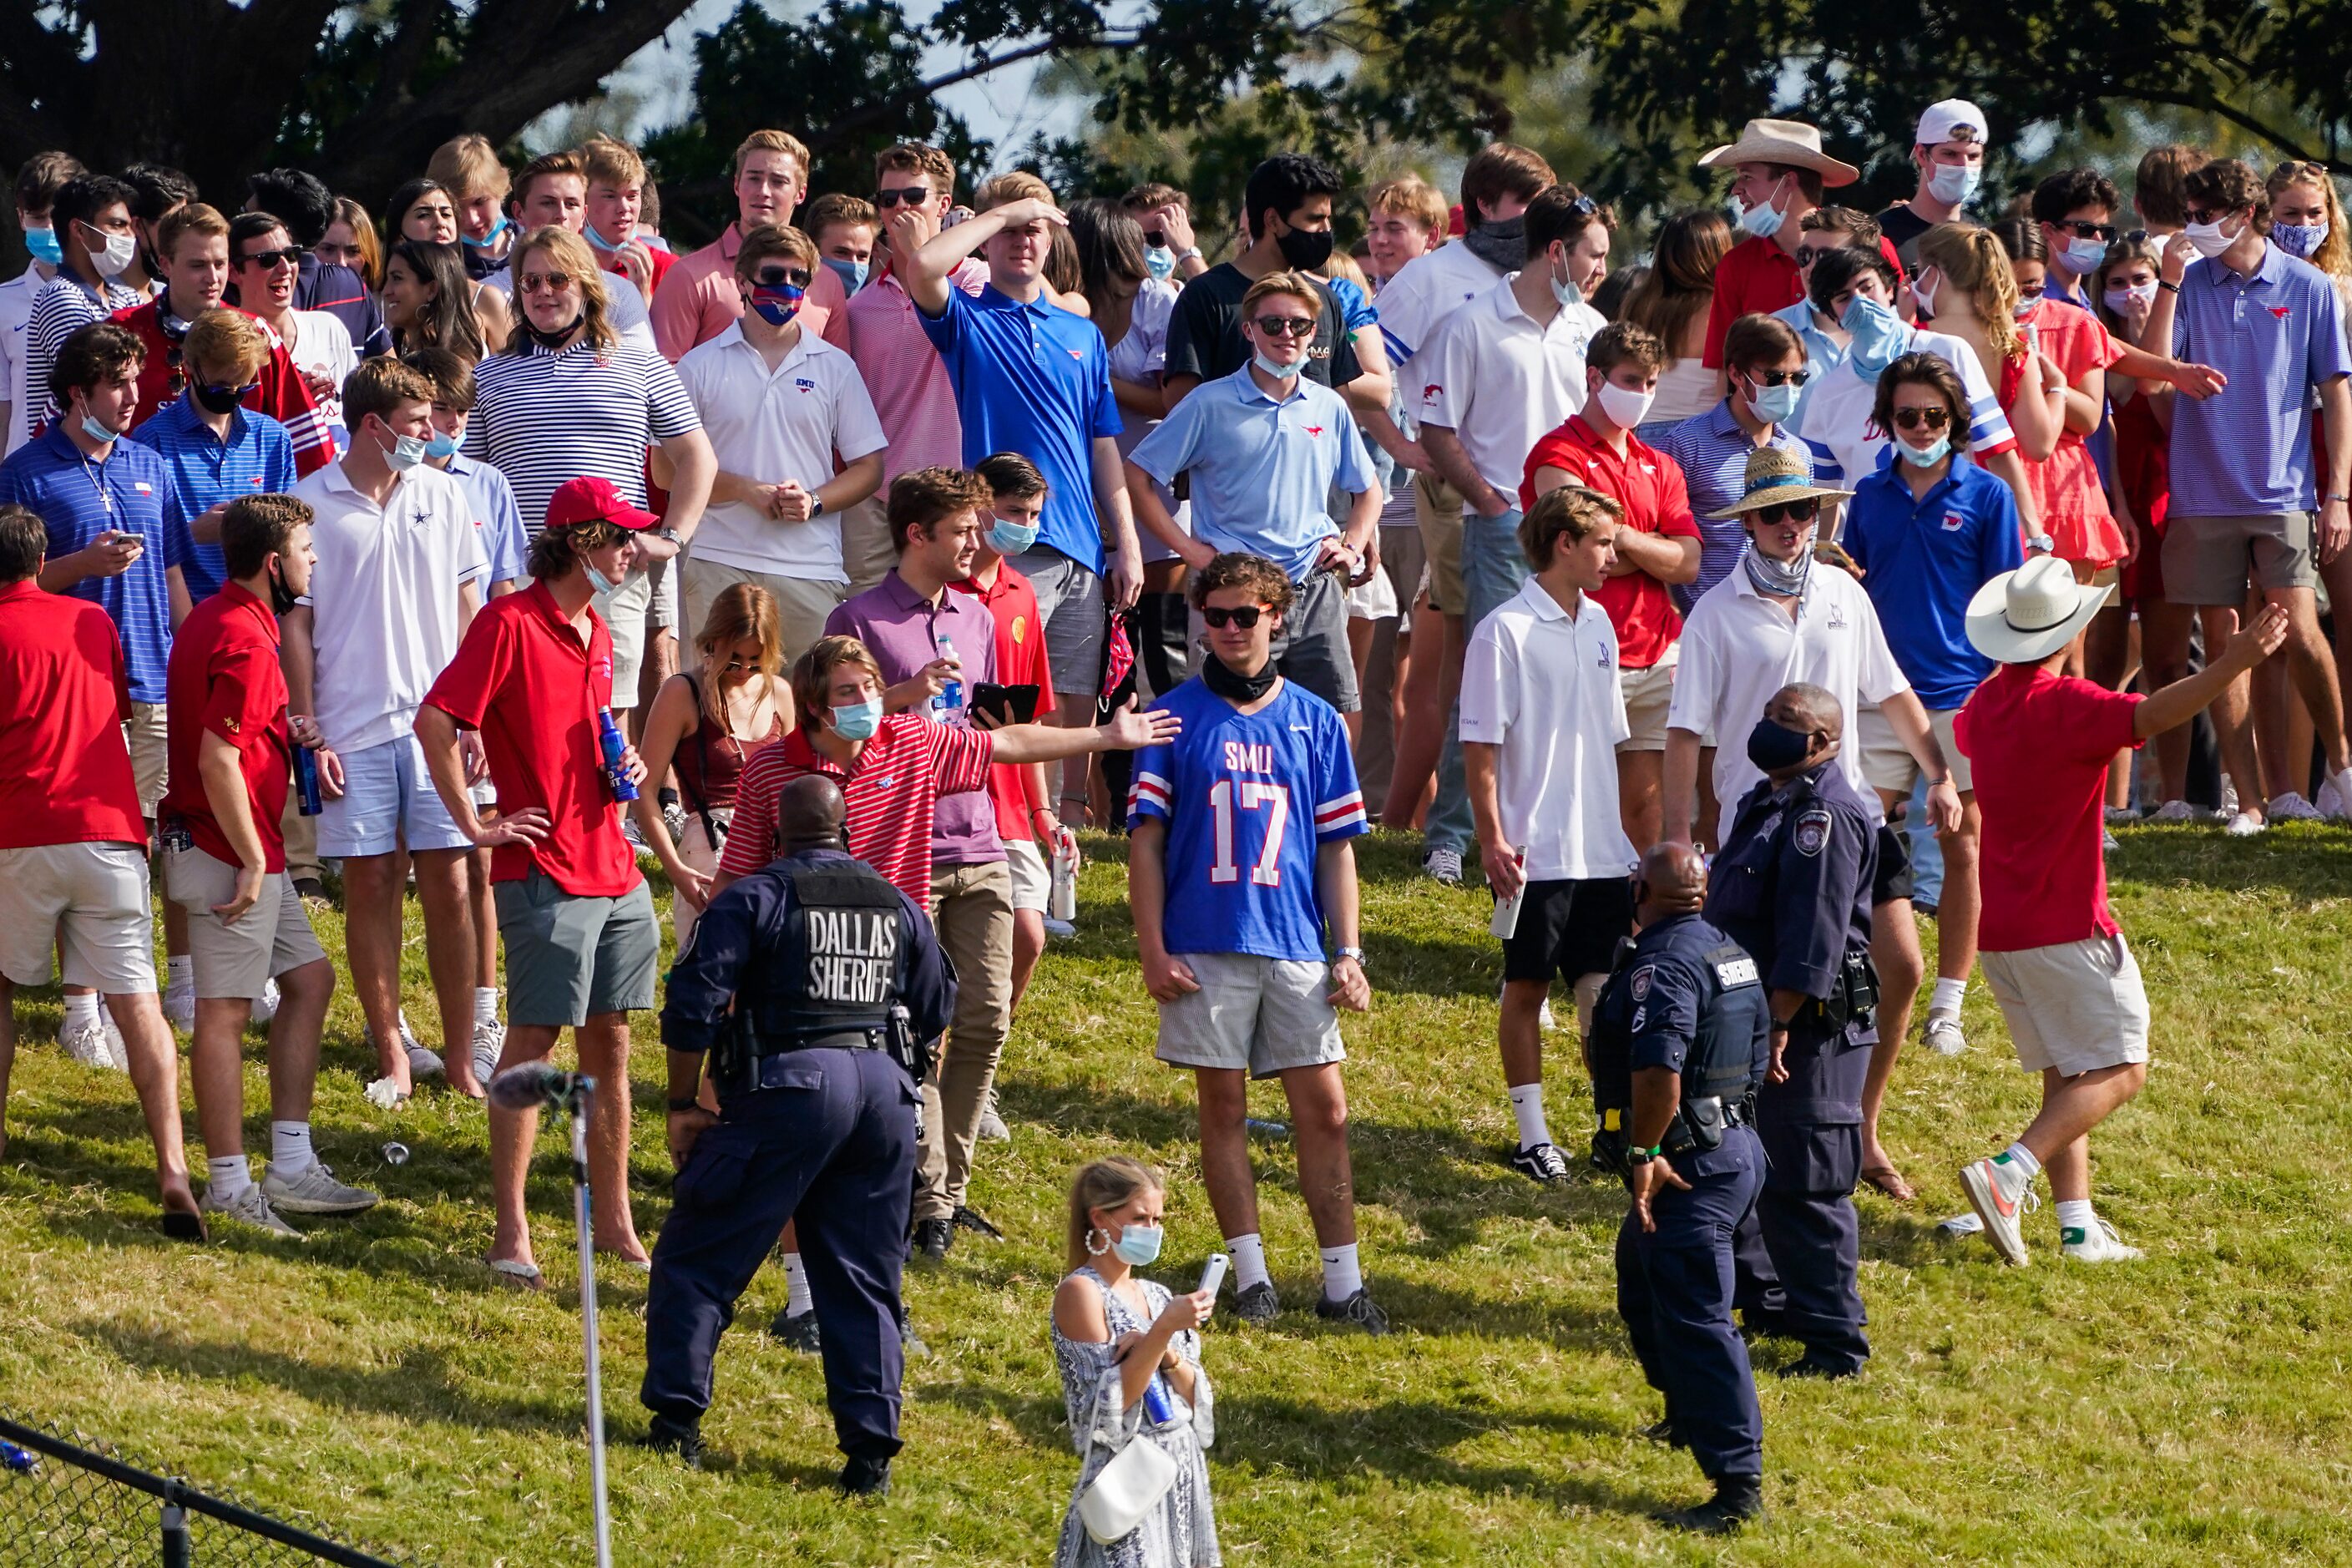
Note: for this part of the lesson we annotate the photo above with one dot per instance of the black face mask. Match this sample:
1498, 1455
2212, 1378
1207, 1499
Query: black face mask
1774, 747
1220, 677
281, 597
217, 399
554, 339
1305, 249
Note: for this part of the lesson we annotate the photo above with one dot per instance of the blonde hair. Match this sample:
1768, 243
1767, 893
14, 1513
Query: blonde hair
1005, 189
469, 166
1105, 1183
2334, 256
222, 336
570, 256
812, 675
742, 612
1409, 196
771, 141
1974, 260
609, 161
363, 235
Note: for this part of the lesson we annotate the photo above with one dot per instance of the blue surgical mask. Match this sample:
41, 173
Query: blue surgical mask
603, 587
588, 232
1774, 404
1564, 293
1773, 746
1926, 457
442, 445
1763, 220
44, 245
859, 720
851, 273
2301, 240
1879, 334
97, 432
491, 240
776, 303
1008, 537
1279, 371
2083, 257
1160, 262
1953, 184
1138, 1245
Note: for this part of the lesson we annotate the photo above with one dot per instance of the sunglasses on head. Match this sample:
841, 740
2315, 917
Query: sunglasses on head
1245, 617
912, 196
782, 278
1803, 511
2084, 228
1284, 326
1918, 418
271, 260
1584, 206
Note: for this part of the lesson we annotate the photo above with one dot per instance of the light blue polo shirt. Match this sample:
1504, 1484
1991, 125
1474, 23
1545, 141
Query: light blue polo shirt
2277, 335
257, 459
1712, 451
1263, 471
1033, 379
505, 543
1924, 560
78, 498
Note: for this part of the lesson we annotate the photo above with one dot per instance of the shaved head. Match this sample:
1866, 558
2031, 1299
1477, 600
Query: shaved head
1813, 708
811, 814
1673, 880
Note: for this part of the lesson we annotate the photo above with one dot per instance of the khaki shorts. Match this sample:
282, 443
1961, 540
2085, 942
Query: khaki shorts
1888, 766
2207, 560
2076, 1006
149, 764
865, 553
626, 614
86, 901
663, 612
1266, 1015
1438, 507
1648, 694
239, 958
1032, 881
802, 603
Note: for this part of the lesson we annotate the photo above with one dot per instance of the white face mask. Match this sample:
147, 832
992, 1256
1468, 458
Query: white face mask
1923, 293
2207, 241
1625, 408
115, 259
2121, 300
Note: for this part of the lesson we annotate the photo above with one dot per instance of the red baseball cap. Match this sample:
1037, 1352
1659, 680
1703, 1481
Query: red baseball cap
591, 500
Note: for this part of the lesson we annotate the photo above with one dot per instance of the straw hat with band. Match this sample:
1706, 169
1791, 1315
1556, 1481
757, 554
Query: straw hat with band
1772, 477
1786, 141
2024, 617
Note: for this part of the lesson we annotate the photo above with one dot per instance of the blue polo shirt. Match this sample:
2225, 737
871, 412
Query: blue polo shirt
1713, 452
1823, 354
2277, 335
1924, 560
1033, 379
256, 458
497, 521
1263, 471
78, 499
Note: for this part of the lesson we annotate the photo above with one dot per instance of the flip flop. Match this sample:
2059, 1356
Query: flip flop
520, 1276
1889, 1180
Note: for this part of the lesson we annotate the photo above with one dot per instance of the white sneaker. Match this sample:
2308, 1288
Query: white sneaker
2002, 1194
118, 1052
2107, 842
2122, 815
1064, 929
2174, 811
250, 1206
2244, 824
315, 1191
265, 1007
2291, 807
2335, 800
1544, 1020
180, 1006
489, 1039
1444, 864
89, 1045
422, 1063
1943, 1034
2100, 1244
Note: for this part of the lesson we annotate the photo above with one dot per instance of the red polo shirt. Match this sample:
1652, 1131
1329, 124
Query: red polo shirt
889, 791
527, 681
1019, 661
1758, 278
1649, 485
224, 679
64, 696
279, 391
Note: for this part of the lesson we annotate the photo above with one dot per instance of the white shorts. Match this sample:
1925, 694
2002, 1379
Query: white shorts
89, 902
1887, 765
2076, 1006
1032, 880
1267, 1015
388, 803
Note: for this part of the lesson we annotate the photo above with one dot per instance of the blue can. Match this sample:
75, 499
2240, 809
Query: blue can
1156, 1403
306, 779
610, 746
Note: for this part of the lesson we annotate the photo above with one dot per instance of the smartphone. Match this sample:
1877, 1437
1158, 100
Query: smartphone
1506, 921
1005, 704
1212, 1278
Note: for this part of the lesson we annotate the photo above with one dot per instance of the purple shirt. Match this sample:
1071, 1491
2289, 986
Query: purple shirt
904, 632
2278, 335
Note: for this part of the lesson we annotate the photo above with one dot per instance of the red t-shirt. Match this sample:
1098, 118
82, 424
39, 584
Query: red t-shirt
2039, 746
889, 791
1757, 276
224, 679
527, 681
278, 391
64, 771
1019, 661
1649, 485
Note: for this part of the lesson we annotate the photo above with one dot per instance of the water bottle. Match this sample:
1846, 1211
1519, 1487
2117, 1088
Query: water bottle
1062, 902
610, 745
306, 779
951, 698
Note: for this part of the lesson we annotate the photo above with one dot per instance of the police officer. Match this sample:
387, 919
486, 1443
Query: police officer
792, 985
1792, 886
1680, 1041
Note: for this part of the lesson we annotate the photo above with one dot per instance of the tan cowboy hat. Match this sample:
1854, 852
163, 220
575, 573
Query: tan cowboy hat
1774, 476
2024, 617
1782, 141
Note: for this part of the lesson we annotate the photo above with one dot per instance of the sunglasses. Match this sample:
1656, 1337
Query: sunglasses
271, 260
1584, 206
2083, 228
1808, 253
545, 282
782, 278
1923, 418
912, 196
1245, 617
1789, 511
1779, 378
2207, 215
1284, 326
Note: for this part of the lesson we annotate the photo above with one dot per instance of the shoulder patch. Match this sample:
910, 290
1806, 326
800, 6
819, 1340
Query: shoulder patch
1736, 972
1641, 982
1813, 829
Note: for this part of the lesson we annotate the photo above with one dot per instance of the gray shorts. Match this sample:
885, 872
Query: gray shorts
2207, 560
87, 902
239, 958
1312, 646
1267, 1015
571, 959
1070, 603
2076, 1006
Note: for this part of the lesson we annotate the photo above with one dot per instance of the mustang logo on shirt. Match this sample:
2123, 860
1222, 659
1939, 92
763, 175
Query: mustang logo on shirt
1312, 429
1954, 522
1431, 390
2280, 311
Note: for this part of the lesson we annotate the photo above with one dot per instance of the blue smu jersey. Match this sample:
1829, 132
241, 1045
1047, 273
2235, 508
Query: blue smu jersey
1248, 798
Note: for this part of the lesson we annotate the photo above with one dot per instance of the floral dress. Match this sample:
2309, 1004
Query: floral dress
1181, 1533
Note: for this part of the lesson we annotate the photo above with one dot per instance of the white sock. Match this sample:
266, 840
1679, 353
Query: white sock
2076, 1214
229, 1176
1947, 994
80, 1011
486, 1005
1248, 1253
289, 1148
181, 972
1341, 1277
2021, 1156
797, 1298
1526, 1104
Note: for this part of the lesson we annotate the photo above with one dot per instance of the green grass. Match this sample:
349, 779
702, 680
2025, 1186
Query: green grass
2193, 1409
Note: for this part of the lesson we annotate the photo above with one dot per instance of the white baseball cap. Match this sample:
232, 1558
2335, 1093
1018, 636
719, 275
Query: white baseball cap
1942, 119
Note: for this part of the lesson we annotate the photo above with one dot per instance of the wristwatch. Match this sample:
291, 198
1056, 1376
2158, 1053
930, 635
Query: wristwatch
670, 534
689, 1103
1641, 1156
1355, 952
1189, 253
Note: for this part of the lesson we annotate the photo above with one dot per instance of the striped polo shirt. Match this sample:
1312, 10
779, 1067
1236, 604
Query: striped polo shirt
64, 306
544, 419
2278, 334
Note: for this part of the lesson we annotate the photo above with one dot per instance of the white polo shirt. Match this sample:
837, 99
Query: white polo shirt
768, 426
1835, 419
1541, 684
1426, 290
16, 313
1739, 647
1500, 381
624, 308
383, 598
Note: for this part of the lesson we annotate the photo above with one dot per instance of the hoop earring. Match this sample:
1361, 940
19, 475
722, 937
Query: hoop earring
1093, 1250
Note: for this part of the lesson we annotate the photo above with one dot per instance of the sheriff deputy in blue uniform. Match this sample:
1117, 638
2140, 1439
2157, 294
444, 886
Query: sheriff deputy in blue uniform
1680, 1042
808, 985
1793, 885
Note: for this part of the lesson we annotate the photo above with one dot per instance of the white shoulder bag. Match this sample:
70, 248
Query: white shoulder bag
1126, 1490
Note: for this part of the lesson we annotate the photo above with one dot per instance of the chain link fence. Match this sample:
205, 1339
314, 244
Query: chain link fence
70, 1501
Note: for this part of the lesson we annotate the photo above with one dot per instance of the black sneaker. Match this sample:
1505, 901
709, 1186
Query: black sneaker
1810, 1365
683, 1439
867, 1477
911, 1343
974, 1220
796, 1332
1358, 1309
933, 1238
1258, 1304
1543, 1162
1663, 1432
1738, 1500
